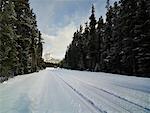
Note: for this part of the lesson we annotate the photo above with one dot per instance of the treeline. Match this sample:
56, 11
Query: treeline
20, 40
49, 64
119, 45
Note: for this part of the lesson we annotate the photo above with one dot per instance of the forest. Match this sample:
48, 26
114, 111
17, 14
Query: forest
21, 44
118, 44
103, 68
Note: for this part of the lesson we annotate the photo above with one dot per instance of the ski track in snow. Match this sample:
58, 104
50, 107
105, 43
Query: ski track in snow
67, 91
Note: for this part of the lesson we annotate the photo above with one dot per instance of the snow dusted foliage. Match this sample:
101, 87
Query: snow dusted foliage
20, 40
120, 45
67, 91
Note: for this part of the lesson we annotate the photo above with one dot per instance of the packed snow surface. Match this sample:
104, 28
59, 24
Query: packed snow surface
66, 91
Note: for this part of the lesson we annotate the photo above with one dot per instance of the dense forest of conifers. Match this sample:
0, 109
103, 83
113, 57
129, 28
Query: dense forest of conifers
120, 44
20, 40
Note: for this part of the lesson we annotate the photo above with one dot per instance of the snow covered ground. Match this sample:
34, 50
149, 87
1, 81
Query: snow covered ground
67, 91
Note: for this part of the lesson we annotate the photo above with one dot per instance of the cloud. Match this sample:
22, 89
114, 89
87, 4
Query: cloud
57, 44
59, 19
57, 38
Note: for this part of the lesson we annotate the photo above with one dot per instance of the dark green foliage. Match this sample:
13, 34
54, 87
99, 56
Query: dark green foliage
20, 40
120, 45
141, 38
8, 52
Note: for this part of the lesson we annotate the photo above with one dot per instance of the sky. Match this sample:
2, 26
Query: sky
59, 19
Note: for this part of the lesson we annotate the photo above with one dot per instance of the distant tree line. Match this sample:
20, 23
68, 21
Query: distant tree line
20, 40
50, 64
119, 45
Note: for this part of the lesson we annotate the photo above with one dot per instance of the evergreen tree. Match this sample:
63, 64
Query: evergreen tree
115, 47
108, 39
100, 47
141, 38
92, 41
29, 41
85, 51
8, 52
120, 45
39, 51
20, 41
23, 29
127, 24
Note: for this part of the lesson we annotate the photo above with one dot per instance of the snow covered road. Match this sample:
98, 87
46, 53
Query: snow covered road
67, 91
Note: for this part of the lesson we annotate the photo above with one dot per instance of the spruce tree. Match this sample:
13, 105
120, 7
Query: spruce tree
120, 45
23, 30
141, 38
115, 47
108, 39
92, 41
8, 51
100, 47
85, 46
29, 42
128, 10
20, 40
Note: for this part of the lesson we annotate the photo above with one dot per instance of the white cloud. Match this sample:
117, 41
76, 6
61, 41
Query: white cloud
57, 44
57, 31
57, 39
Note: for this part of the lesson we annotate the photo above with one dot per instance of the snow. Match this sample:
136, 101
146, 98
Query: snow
67, 91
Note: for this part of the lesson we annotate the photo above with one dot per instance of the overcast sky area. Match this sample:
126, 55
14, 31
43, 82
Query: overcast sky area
59, 19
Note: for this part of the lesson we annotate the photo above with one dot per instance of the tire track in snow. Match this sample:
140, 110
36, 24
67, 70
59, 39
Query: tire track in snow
145, 108
64, 86
82, 96
148, 110
100, 100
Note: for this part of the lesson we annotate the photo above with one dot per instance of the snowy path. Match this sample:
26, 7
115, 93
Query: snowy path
66, 91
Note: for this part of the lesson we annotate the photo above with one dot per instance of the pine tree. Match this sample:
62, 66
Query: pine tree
120, 45
92, 41
80, 48
115, 47
39, 51
24, 40
141, 38
20, 40
108, 39
8, 52
29, 42
85, 46
100, 47
127, 24
71, 60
